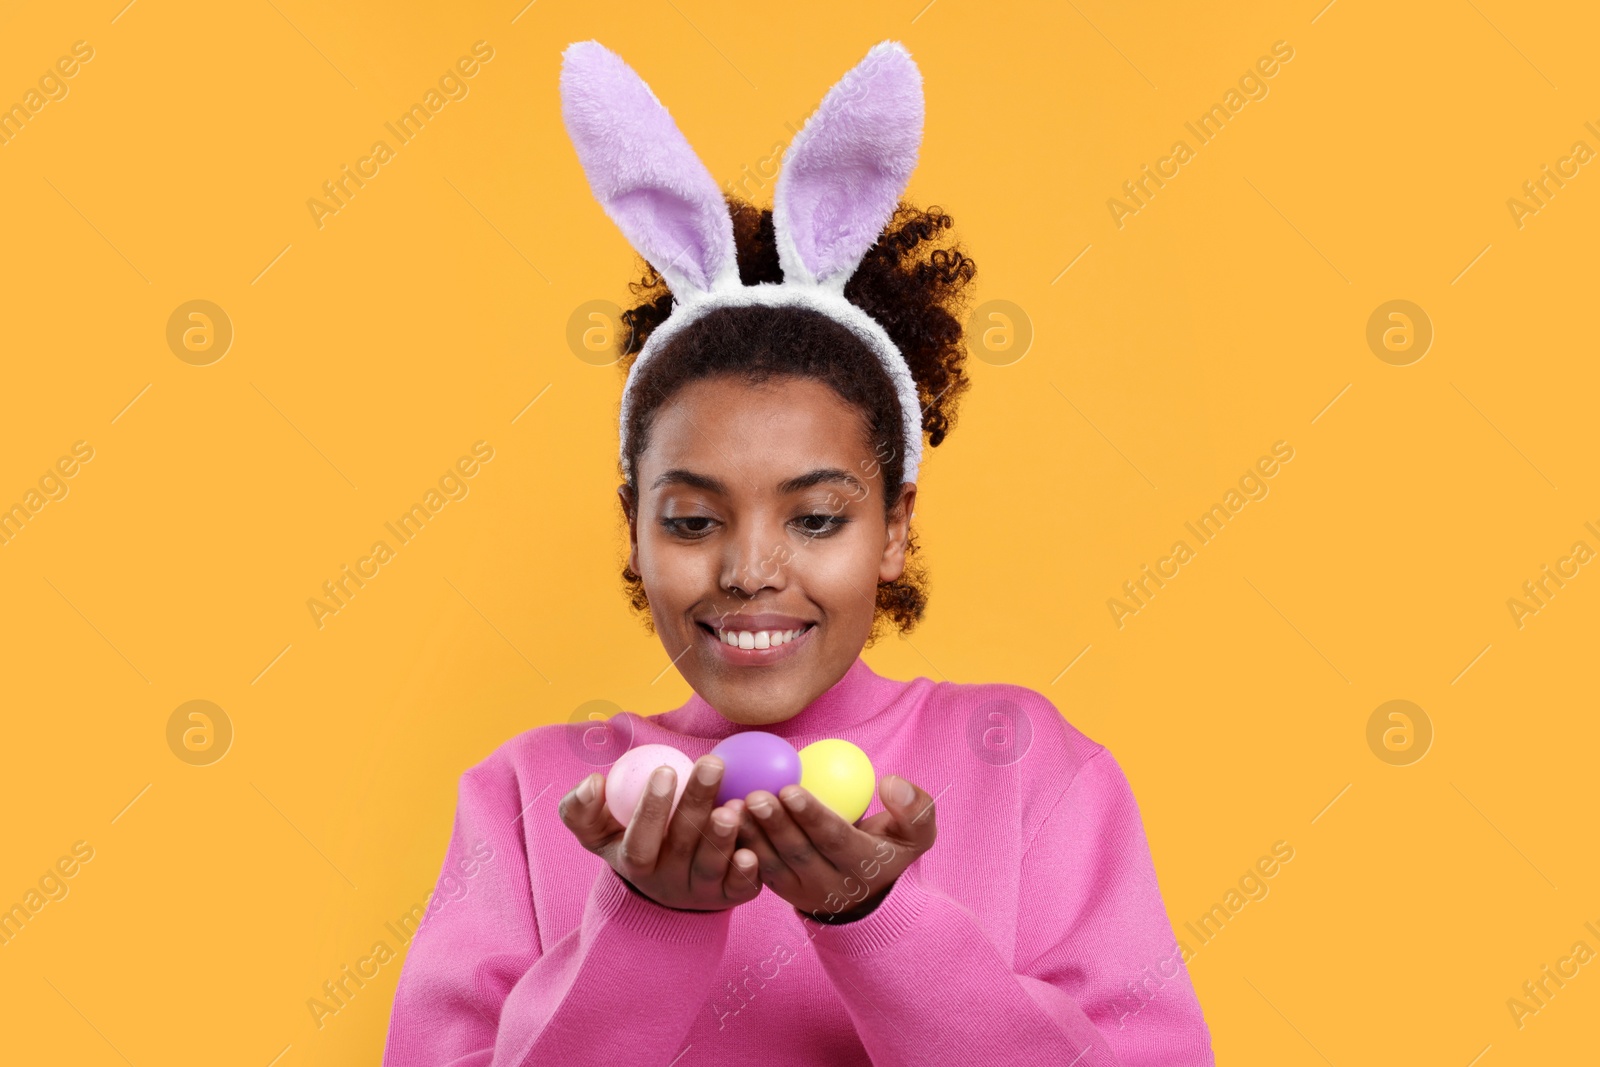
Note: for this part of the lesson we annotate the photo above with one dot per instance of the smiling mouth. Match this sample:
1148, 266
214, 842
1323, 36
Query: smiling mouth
756, 639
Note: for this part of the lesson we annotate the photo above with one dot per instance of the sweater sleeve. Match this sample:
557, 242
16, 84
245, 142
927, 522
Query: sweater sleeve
1096, 979
478, 988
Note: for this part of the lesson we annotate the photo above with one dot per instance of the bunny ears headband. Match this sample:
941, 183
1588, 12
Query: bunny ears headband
840, 182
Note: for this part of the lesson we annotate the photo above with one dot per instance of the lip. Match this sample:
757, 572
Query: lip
764, 621
756, 657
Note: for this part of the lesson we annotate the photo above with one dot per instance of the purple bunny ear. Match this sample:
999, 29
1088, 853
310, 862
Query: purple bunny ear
844, 173
644, 173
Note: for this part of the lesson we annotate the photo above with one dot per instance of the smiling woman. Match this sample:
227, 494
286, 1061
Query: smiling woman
742, 537
785, 369
765, 493
914, 280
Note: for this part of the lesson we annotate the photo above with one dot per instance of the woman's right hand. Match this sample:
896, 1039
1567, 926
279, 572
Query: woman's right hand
684, 859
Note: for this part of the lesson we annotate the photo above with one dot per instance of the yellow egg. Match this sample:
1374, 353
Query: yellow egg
840, 775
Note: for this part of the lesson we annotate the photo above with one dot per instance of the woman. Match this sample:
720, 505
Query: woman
997, 905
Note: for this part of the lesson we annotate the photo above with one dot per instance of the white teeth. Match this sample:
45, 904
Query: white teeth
752, 639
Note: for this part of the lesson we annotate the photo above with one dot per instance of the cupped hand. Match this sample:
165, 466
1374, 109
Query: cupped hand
828, 869
685, 859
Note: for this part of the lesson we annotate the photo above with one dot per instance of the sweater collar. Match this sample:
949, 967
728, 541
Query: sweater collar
856, 697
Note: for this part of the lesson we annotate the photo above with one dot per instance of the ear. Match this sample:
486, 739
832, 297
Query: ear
847, 168
631, 513
893, 563
644, 173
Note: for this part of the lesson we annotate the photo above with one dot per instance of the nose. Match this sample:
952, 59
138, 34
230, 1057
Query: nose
755, 561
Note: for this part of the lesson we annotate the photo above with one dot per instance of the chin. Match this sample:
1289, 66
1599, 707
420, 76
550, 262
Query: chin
750, 704
760, 688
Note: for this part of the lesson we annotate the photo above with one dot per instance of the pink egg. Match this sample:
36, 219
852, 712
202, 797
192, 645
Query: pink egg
628, 777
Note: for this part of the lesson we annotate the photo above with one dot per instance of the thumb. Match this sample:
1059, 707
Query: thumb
908, 815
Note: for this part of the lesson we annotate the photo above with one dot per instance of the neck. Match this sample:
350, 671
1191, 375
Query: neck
857, 696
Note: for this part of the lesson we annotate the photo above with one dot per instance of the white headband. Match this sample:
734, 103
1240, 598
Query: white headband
842, 178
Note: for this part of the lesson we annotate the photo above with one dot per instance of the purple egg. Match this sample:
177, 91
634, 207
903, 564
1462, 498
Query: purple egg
755, 760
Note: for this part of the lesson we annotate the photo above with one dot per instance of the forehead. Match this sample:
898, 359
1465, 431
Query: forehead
756, 434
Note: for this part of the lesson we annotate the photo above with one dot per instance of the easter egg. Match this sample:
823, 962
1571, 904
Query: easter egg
755, 760
628, 777
839, 775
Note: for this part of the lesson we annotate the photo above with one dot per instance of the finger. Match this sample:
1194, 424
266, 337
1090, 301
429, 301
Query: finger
829, 834
641, 842
708, 871
790, 842
708, 866
908, 814
689, 824
742, 883
773, 871
584, 812
744, 877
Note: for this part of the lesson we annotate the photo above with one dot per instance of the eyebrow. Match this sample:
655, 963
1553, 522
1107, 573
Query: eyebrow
819, 476
684, 476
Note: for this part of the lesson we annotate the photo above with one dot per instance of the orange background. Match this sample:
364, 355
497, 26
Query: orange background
369, 353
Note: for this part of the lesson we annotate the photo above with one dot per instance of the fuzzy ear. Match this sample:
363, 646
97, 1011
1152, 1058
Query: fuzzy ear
847, 168
643, 172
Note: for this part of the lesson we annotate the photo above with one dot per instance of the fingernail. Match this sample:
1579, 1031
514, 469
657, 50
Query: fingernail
760, 807
724, 821
660, 783
709, 772
796, 801
586, 790
898, 791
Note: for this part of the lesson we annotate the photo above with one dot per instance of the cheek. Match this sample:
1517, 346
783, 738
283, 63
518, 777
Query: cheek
674, 572
842, 577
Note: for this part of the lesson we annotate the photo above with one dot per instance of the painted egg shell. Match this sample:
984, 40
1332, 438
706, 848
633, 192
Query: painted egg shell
839, 775
626, 780
755, 760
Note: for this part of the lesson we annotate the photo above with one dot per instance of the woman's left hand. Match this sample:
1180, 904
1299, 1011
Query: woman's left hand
828, 869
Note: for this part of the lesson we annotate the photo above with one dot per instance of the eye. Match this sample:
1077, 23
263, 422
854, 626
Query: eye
689, 527
820, 524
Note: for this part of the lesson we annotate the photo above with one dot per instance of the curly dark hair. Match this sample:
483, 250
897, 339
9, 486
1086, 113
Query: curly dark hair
913, 281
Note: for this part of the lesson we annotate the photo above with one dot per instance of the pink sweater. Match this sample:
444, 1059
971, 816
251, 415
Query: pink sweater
1033, 932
